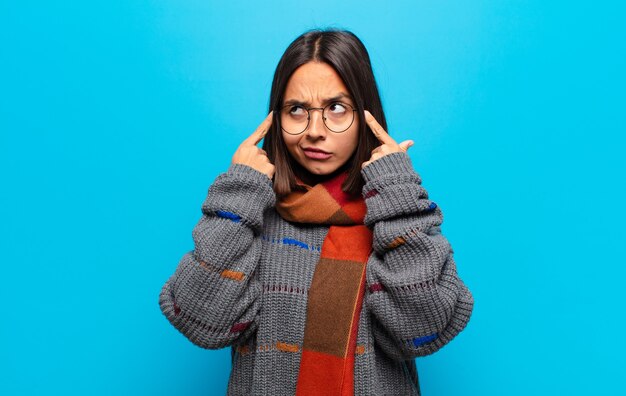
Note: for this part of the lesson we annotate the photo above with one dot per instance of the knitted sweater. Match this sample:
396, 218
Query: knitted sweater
245, 283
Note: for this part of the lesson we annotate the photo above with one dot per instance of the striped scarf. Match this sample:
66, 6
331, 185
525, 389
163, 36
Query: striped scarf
336, 293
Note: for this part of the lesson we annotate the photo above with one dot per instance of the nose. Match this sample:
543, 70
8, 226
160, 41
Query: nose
317, 128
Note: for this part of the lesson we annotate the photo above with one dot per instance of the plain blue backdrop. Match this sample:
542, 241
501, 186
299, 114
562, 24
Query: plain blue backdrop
116, 116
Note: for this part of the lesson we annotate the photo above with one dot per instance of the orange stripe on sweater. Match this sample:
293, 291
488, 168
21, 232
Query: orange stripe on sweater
236, 275
396, 242
283, 346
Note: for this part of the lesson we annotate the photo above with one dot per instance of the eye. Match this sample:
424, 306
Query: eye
337, 108
296, 110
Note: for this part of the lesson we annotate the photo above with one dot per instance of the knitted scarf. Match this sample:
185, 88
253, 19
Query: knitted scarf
336, 293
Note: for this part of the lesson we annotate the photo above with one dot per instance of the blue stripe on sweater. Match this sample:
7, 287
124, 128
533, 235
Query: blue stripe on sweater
228, 215
423, 340
291, 242
295, 242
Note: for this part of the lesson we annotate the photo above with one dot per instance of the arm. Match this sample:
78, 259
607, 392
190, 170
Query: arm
418, 301
213, 297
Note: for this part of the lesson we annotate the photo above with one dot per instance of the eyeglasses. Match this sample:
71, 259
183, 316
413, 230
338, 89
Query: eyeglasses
337, 116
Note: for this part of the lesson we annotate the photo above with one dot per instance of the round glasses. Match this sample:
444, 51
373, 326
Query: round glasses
337, 116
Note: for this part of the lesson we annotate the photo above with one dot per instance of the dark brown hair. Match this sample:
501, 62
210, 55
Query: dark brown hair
345, 53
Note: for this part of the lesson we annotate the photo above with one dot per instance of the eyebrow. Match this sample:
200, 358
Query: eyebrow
341, 95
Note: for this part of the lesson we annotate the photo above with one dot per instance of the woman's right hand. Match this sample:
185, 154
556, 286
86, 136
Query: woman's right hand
249, 154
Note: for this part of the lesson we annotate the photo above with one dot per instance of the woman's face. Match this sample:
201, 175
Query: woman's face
319, 150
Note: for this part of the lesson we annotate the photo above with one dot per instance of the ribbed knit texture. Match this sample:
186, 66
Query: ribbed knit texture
245, 283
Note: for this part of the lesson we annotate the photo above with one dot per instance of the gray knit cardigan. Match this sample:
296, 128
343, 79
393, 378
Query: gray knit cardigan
245, 283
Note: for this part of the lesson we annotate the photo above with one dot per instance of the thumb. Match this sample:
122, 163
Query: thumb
406, 144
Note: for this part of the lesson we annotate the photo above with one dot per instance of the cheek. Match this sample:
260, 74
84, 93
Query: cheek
288, 139
352, 140
290, 142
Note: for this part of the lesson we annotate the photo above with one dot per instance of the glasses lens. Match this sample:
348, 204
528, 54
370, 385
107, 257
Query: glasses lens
339, 116
293, 119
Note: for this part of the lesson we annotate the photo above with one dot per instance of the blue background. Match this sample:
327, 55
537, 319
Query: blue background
116, 116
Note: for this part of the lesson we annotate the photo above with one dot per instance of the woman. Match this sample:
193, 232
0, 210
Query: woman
319, 258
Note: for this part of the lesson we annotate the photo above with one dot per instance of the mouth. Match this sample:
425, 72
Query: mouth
315, 153
314, 149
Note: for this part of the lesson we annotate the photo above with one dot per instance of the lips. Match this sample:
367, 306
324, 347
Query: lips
315, 150
315, 153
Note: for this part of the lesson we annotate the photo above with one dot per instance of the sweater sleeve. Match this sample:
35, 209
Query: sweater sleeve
213, 297
418, 301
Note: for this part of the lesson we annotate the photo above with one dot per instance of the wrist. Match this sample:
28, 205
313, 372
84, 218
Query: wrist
394, 163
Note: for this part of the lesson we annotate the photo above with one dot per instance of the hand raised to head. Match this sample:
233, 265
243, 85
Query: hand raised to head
388, 145
249, 154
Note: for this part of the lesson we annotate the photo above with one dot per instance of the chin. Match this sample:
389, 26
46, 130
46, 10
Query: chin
318, 170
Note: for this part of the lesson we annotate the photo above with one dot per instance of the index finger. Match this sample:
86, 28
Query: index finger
377, 129
261, 130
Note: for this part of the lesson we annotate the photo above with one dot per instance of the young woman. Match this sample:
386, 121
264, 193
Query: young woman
319, 258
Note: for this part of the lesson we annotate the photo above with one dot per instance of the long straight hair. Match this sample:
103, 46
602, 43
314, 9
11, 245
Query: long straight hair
346, 54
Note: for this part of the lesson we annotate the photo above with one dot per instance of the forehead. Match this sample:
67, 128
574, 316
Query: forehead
314, 81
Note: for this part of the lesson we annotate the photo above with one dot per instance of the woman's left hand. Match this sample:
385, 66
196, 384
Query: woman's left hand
388, 144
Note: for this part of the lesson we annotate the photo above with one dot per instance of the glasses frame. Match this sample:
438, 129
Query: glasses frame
308, 119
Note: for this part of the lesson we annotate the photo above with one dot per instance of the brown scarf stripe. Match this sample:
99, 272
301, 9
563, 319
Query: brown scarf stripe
331, 305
